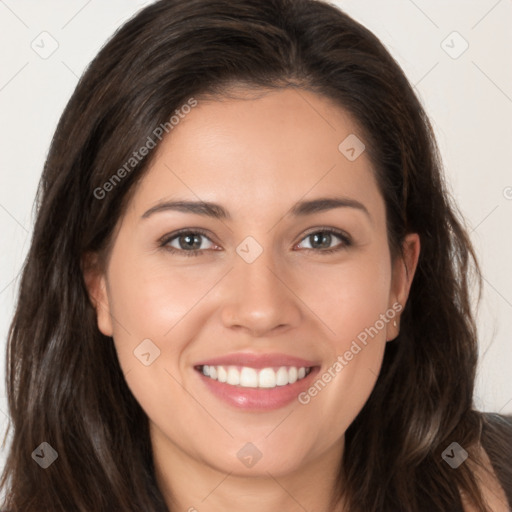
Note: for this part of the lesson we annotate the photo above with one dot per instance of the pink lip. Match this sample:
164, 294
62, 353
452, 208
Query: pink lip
258, 361
258, 399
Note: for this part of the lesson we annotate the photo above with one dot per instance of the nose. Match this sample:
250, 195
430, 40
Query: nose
260, 298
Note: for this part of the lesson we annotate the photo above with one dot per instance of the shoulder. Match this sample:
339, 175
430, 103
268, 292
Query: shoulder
490, 487
494, 476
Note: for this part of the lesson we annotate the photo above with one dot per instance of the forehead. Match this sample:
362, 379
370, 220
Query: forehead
259, 152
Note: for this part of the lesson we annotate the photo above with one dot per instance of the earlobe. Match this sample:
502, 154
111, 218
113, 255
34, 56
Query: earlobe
96, 285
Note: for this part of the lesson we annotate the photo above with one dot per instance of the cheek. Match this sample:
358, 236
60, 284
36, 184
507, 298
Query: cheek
150, 298
161, 303
155, 302
349, 297
353, 303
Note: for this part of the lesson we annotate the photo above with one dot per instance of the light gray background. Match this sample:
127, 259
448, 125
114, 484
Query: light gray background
468, 98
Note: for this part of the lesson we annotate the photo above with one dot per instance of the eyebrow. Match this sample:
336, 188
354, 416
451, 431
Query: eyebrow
216, 211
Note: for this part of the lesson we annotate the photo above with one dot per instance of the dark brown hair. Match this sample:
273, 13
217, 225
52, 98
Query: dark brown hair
63, 379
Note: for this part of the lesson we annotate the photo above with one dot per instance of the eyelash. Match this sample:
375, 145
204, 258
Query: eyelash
162, 243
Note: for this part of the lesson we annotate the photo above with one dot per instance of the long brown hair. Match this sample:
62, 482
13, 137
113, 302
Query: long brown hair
64, 383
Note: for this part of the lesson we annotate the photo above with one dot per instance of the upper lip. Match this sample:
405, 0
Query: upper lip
259, 361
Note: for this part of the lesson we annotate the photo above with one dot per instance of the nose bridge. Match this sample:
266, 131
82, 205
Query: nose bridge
258, 299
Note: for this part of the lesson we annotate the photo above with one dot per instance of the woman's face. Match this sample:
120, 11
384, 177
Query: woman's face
298, 331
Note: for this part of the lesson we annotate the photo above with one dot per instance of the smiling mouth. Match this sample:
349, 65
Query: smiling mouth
247, 377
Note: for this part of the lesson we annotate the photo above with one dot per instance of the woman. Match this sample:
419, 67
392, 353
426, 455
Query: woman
267, 372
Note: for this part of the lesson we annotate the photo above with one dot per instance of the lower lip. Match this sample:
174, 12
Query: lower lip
258, 399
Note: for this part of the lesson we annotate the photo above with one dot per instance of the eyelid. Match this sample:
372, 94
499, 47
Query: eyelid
168, 237
322, 229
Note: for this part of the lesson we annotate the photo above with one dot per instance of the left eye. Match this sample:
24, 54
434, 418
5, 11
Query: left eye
324, 238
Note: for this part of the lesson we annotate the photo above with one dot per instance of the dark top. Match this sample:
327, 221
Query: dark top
496, 440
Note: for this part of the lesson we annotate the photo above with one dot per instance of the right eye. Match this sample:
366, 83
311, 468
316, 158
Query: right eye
188, 242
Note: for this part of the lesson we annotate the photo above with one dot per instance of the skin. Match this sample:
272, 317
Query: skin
256, 156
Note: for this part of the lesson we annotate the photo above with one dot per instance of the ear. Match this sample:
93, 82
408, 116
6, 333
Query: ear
403, 274
96, 284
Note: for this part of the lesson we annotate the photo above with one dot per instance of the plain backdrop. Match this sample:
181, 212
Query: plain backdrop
453, 52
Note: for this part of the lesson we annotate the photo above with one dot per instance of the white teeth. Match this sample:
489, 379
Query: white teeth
248, 377
253, 378
222, 374
282, 376
267, 378
233, 376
